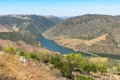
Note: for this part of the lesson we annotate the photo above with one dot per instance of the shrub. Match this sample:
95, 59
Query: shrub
35, 56
56, 60
80, 77
25, 54
9, 50
118, 68
45, 58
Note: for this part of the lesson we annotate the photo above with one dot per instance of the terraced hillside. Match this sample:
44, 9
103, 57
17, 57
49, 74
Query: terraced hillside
94, 33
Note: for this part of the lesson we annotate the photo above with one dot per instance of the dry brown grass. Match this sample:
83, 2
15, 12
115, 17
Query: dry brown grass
10, 67
75, 42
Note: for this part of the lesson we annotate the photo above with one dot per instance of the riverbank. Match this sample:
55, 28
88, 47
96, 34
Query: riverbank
74, 47
51, 45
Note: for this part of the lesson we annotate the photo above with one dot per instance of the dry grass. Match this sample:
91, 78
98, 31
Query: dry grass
75, 42
10, 67
98, 59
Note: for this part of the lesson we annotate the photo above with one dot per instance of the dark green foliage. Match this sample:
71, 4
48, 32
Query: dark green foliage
67, 63
80, 77
36, 56
66, 69
90, 67
56, 60
25, 54
45, 58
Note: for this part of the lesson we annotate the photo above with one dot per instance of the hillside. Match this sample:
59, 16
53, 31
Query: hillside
84, 33
17, 36
18, 60
11, 68
26, 23
23, 27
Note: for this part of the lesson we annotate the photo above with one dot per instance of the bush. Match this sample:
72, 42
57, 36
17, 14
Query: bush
66, 63
118, 68
80, 77
90, 67
56, 60
9, 50
45, 58
36, 56
25, 54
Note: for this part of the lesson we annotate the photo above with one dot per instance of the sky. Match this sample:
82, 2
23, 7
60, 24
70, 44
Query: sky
60, 7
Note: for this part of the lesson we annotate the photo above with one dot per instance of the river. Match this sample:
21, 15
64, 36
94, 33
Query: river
51, 45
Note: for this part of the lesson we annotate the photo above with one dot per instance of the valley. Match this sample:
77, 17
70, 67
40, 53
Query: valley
81, 47
92, 33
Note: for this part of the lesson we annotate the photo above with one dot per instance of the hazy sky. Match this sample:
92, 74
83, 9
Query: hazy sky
60, 7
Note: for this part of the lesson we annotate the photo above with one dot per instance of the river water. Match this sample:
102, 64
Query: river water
51, 45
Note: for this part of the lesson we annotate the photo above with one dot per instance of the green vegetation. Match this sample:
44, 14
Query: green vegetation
118, 68
16, 36
79, 77
67, 64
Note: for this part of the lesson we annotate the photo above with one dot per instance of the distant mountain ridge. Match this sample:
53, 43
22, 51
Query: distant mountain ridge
32, 23
81, 26
54, 18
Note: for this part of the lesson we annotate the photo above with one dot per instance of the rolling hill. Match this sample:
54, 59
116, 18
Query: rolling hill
91, 32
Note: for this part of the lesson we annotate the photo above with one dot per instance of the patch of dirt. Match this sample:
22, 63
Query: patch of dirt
4, 29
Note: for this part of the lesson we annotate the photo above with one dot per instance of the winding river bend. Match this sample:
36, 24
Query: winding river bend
51, 45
